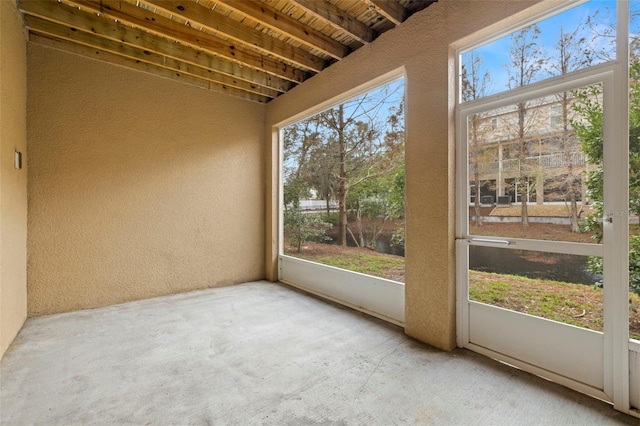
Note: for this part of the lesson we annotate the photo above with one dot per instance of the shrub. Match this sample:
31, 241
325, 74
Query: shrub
332, 218
300, 226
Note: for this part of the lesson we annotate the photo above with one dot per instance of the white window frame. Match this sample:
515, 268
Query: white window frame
379, 297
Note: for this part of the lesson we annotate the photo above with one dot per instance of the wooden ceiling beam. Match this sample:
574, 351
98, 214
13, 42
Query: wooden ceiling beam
273, 19
390, 9
154, 33
256, 49
164, 27
61, 32
186, 35
338, 19
105, 56
199, 15
88, 22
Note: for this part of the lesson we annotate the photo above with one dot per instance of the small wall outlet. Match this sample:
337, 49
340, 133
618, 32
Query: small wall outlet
17, 160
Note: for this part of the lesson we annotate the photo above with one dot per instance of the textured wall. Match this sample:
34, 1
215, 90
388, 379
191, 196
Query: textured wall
13, 183
138, 186
424, 46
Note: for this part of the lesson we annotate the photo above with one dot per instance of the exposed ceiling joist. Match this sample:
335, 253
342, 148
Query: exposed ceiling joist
154, 32
125, 62
338, 18
61, 32
198, 15
390, 9
101, 28
255, 49
271, 18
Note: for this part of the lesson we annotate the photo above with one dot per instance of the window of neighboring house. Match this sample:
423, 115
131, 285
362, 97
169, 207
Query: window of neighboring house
555, 115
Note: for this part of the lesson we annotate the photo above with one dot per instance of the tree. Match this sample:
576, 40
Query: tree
367, 201
295, 189
475, 85
377, 200
345, 146
300, 139
525, 62
320, 172
300, 226
362, 153
570, 55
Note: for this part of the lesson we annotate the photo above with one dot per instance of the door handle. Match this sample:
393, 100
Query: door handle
490, 241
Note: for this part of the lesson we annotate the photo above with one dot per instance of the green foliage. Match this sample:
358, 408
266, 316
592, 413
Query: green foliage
634, 138
372, 198
332, 218
590, 131
397, 197
396, 191
594, 265
300, 227
588, 105
295, 189
377, 199
634, 263
398, 237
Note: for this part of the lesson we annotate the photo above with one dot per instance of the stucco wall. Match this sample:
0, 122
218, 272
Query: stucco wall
424, 46
138, 186
13, 182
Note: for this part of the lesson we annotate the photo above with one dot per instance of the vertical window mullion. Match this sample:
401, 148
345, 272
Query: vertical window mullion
615, 223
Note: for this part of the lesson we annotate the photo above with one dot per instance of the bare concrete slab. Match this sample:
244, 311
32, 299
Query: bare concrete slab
262, 353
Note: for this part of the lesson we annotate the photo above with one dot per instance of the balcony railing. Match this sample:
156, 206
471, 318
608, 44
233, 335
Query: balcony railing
549, 161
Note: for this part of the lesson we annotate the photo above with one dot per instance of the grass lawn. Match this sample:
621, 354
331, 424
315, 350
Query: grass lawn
535, 231
575, 304
361, 260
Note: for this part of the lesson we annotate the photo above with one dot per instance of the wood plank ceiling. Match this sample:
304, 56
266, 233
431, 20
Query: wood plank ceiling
254, 49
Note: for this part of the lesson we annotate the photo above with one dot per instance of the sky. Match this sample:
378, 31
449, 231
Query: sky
496, 53
394, 93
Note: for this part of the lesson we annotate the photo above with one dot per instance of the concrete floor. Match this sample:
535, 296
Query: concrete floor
262, 353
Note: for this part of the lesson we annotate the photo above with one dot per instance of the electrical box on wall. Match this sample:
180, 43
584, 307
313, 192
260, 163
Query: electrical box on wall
17, 160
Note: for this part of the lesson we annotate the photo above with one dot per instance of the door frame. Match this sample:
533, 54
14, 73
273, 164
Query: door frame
614, 248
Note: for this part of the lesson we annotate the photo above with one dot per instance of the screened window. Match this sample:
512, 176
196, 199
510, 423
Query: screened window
343, 185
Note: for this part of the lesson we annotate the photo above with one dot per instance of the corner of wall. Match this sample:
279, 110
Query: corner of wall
271, 204
139, 210
13, 181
